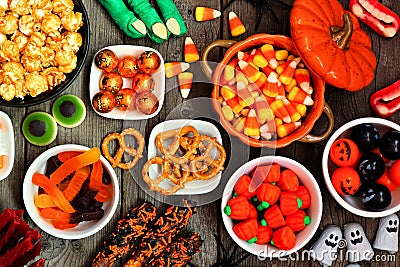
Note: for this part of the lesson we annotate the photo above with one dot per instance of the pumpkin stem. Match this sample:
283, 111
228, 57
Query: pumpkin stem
342, 35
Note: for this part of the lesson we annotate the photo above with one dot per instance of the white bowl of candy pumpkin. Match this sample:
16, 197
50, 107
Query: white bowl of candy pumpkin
272, 206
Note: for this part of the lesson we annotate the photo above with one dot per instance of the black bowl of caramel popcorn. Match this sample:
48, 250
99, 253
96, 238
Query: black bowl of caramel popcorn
43, 47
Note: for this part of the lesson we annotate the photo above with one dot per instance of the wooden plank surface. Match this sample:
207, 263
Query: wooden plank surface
208, 221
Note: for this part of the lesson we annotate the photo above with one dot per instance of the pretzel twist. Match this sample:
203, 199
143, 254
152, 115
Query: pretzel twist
136, 153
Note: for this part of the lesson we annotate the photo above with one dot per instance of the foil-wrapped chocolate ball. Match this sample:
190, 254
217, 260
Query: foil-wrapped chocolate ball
106, 60
125, 99
149, 62
111, 81
142, 82
146, 103
128, 66
103, 101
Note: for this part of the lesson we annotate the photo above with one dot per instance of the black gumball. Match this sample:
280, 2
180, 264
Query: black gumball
370, 167
376, 197
389, 145
366, 136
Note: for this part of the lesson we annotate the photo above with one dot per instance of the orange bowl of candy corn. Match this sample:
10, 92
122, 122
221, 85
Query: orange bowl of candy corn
71, 191
264, 94
272, 206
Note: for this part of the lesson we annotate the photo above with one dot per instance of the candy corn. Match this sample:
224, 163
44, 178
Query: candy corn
299, 96
250, 71
267, 70
267, 130
245, 97
262, 80
281, 54
264, 113
294, 114
281, 67
227, 92
228, 113
259, 60
206, 13
243, 56
174, 68
238, 124
302, 109
229, 72
240, 77
287, 128
190, 51
245, 112
268, 51
302, 77
280, 110
234, 104
235, 24
288, 73
271, 86
251, 126
185, 83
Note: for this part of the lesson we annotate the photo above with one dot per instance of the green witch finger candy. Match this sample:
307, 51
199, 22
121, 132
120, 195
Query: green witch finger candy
156, 28
172, 17
125, 19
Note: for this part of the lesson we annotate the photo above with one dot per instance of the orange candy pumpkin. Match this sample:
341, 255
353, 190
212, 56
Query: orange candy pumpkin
264, 234
298, 220
247, 230
239, 208
242, 187
332, 44
284, 238
273, 218
267, 194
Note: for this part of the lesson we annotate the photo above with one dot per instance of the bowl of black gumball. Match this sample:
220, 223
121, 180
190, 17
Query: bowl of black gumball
361, 167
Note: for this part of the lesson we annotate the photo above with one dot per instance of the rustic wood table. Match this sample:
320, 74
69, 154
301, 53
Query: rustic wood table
104, 32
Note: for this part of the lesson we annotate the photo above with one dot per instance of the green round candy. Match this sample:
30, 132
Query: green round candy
69, 111
39, 128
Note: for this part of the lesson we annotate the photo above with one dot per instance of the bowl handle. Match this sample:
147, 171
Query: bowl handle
317, 138
204, 59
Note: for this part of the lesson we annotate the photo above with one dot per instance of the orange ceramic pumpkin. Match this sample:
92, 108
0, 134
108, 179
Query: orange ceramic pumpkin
331, 42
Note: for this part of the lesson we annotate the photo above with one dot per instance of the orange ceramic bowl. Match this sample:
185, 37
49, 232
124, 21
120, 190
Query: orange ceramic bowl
280, 41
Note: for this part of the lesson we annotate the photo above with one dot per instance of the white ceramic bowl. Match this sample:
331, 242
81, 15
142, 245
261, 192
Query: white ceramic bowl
7, 143
350, 203
84, 229
196, 187
314, 211
158, 76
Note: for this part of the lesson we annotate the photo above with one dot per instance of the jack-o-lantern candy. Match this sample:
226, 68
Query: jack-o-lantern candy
344, 152
147, 103
149, 62
111, 81
128, 66
346, 181
142, 82
125, 99
106, 60
103, 101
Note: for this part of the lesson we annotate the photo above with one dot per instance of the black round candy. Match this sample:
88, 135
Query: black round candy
389, 145
370, 167
376, 197
366, 136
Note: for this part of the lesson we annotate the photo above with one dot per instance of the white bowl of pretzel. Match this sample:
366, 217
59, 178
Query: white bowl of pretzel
185, 157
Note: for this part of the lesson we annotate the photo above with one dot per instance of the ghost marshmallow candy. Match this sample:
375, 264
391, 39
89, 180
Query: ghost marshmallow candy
387, 235
324, 250
358, 246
